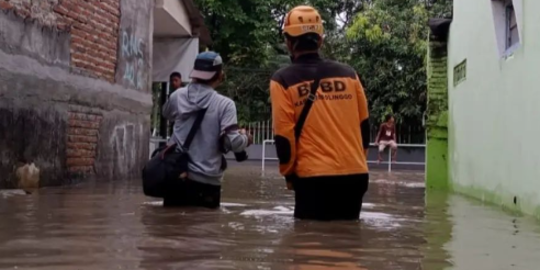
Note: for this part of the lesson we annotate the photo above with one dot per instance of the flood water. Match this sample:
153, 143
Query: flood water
113, 226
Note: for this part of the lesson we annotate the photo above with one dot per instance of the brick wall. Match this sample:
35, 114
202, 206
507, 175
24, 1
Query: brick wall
82, 139
64, 85
94, 27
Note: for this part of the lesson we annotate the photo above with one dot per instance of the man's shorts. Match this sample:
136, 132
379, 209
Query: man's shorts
330, 198
384, 144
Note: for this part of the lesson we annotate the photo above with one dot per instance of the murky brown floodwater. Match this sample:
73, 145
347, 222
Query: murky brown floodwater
113, 226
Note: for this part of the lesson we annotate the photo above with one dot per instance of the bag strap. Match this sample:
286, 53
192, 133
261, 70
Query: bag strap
194, 128
309, 102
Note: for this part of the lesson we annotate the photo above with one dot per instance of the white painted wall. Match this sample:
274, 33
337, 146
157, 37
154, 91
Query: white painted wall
494, 143
174, 54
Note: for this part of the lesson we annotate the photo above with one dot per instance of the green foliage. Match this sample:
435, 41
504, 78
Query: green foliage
384, 40
247, 33
156, 108
249, 88
389, 45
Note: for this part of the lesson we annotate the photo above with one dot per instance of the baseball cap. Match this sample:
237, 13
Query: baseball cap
206, 65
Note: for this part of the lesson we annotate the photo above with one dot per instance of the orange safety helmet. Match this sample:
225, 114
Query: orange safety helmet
303, 20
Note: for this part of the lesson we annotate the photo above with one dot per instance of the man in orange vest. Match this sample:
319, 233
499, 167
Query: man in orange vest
320, 117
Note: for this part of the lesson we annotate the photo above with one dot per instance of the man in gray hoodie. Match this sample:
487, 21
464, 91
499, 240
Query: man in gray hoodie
219, 130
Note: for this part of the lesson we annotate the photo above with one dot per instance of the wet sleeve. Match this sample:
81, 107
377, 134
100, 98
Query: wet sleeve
169, 109
284, 121
232, 139
363, 112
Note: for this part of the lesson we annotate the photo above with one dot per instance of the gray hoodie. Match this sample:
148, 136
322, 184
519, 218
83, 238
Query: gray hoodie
220, 118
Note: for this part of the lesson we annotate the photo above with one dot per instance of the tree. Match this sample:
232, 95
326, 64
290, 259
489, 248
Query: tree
439, 8
384, 40
248, 35
389, 45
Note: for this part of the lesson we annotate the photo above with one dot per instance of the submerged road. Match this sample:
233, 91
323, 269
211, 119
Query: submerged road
111, 225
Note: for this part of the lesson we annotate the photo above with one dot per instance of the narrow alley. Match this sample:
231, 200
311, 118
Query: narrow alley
111, 225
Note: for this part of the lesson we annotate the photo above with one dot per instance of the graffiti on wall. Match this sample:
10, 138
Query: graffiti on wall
133, 68
134, 62
125, 143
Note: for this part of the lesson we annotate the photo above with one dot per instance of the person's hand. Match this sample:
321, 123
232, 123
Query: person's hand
376, 144
250, 139
290, 181
249, 136
290, 186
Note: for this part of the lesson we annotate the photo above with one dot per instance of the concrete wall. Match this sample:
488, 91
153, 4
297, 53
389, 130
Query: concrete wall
135, 48
494, 113
63, 103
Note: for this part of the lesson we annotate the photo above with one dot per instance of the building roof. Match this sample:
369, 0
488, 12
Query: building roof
196, 20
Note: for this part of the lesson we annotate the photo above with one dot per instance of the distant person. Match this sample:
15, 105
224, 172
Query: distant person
175, 81
219, 130
387, 137
325, 161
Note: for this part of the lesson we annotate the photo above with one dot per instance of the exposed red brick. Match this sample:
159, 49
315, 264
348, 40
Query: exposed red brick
80, 162
83, 132
84, 5
85, 28
62, 26
83, 124
61, 10
107, 7
5, 5
94, 26
80, 64
81, 145
75, 32
84, 116
113, 3
108, 66
80, 153
82, 139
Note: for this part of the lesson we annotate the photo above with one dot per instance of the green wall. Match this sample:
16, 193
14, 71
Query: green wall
437, 117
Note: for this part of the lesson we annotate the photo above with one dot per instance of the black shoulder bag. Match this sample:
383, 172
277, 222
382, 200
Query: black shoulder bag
309, 103
304, 114
169, 164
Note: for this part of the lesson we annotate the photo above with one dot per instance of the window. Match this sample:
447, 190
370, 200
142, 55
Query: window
507, 20
460, 73
512, 34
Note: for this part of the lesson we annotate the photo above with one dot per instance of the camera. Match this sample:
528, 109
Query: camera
240, 156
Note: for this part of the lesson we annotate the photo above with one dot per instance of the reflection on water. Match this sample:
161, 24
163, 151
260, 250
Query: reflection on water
112, 226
